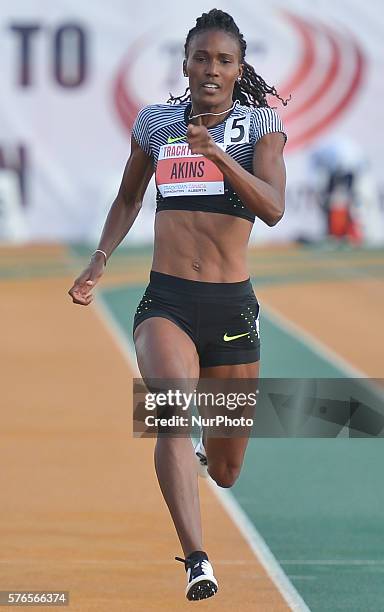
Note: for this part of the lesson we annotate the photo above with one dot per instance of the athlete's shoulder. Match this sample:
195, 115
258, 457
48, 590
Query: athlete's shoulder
257, 113
162, 110
263, 112
156, 116
266, 120
152, 120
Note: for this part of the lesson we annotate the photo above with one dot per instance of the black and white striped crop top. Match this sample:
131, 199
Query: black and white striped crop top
192, 182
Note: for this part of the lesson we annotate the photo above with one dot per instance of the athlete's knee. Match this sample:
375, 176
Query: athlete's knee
224, 474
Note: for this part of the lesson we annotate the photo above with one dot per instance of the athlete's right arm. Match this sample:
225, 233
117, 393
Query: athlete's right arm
121, 216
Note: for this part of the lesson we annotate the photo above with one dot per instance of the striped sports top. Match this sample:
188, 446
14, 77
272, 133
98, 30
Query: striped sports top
192, 182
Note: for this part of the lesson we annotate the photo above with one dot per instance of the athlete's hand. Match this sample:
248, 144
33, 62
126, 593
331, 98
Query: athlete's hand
81, 292
200, 141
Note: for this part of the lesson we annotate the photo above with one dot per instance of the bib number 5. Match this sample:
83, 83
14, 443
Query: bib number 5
237, 130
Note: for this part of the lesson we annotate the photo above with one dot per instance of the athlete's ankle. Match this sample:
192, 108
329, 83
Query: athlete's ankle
196, 555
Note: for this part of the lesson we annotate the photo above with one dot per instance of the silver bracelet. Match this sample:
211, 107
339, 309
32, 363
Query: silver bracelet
103, 252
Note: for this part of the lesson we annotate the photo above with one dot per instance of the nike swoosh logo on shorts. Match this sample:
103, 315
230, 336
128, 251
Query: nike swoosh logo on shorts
227, 338
171, 140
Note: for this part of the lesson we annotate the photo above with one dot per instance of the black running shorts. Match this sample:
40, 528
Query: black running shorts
222, 319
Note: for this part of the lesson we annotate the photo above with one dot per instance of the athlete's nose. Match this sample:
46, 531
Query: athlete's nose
211, 69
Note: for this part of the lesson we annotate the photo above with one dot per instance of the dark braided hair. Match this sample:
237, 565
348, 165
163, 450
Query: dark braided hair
251, 90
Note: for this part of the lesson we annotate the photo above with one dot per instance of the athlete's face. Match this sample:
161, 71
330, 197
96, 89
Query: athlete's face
213, 66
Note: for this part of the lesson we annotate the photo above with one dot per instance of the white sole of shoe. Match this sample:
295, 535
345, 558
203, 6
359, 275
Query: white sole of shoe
201, 588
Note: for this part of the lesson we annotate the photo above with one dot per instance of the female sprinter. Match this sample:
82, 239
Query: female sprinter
192, 321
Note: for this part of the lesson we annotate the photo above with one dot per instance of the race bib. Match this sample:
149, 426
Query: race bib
237, 130
180, 173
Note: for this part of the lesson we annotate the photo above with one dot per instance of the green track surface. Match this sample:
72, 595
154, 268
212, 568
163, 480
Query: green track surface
318, 503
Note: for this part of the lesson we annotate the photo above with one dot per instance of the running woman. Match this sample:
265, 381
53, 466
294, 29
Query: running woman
199, 315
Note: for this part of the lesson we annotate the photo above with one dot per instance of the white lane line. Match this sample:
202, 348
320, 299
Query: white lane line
320, 349
240, 519
260, 548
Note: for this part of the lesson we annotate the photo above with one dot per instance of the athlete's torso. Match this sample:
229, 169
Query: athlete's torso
202, 229
191, 182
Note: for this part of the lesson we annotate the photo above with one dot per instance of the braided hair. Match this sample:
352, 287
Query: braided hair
251, 90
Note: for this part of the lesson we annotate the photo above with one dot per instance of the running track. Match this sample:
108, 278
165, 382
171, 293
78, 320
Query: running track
81, 510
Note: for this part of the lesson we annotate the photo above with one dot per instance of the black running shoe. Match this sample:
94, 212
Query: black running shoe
201, 582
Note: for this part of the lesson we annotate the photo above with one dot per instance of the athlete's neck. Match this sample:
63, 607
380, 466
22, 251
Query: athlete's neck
220, 110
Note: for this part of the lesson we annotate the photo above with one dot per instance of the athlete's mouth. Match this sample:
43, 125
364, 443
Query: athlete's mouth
209, 85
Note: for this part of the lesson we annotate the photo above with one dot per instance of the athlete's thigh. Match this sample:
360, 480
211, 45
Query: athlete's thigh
241, 370
229, 450
164, 350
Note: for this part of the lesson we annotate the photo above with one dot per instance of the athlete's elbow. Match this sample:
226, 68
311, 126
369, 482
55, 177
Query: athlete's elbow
275, 214
274, 220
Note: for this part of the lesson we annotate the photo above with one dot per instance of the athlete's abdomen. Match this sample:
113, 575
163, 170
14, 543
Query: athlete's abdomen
201, 246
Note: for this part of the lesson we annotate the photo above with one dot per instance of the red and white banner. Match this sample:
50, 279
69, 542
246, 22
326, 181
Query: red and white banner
74, 76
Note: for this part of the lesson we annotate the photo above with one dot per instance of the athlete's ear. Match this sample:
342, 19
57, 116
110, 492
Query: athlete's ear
185, 68
240, 72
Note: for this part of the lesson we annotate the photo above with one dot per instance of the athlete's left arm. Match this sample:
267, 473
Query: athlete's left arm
263, 192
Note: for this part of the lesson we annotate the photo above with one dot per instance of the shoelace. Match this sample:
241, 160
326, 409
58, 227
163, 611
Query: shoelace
203, 459
187, 562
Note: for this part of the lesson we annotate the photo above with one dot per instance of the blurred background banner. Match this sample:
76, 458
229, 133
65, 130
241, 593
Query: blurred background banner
74, 76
